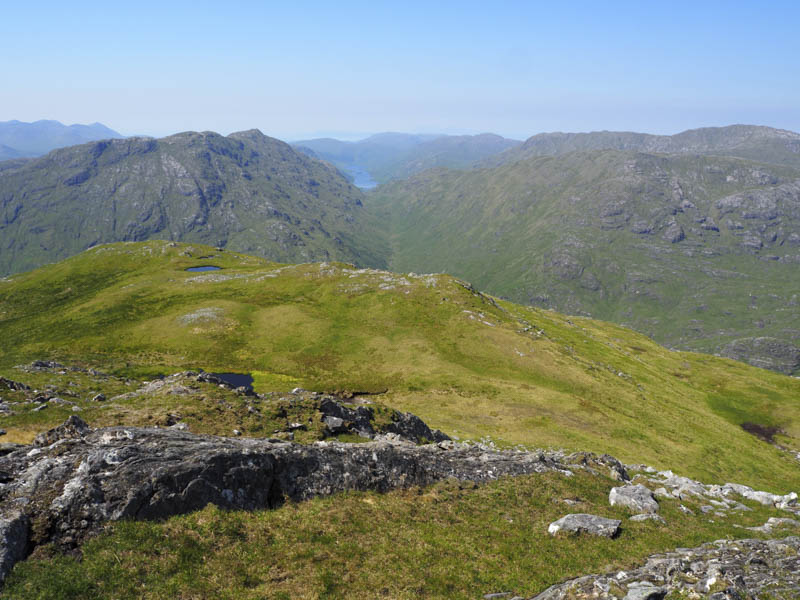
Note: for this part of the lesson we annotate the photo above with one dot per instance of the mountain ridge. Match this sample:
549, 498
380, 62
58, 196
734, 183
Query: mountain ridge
245, 190
754, 142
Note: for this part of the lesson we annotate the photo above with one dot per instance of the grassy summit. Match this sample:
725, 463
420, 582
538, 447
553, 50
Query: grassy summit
467, 363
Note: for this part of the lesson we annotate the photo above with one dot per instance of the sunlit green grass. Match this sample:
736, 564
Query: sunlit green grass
465, 363
449, 541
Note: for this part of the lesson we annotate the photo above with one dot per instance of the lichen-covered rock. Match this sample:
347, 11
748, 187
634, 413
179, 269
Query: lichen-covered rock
13, 540
724, 569
775, 522
74, 479
645, 591
648, 517
637, 498
583, 523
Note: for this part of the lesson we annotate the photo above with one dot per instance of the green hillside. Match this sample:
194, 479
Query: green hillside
246, 191
468, 364
698, 252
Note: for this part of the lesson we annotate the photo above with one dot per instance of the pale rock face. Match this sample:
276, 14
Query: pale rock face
637, 498
584, 523
150, 473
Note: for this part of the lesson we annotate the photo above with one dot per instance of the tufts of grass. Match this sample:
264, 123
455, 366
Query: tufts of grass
448, 541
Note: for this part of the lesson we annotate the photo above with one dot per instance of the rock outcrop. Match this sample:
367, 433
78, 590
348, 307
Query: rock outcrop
583, 523
721, 570
74, 478
637, 498
361, 420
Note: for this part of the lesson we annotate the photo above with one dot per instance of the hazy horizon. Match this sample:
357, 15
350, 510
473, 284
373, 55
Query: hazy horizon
355, 68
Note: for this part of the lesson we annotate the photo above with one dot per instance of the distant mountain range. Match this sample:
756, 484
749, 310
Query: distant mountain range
245, 191
698, 251
388, 156
19, 140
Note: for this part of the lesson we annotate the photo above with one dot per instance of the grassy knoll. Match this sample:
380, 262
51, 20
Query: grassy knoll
466, 363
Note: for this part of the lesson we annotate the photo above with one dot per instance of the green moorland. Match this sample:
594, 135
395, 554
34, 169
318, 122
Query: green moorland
468, 364
698, 252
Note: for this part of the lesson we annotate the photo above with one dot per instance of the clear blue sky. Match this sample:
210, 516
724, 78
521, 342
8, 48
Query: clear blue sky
296, 69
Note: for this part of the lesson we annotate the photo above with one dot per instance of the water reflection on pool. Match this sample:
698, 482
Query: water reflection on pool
204, 268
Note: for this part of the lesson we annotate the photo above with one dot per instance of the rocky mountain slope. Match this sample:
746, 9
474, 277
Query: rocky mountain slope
285, 504
387, 156
19, 139
699, 252
753, 142
245, 191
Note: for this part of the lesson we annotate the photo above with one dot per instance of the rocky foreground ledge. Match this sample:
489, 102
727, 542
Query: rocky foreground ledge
721, 570
75, 478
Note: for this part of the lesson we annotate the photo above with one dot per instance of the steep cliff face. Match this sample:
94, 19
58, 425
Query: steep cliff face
245, 191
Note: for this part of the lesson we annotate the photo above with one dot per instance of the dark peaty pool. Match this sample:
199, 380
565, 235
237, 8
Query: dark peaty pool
204, 268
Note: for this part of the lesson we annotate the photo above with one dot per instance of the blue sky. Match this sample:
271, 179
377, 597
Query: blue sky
297, 69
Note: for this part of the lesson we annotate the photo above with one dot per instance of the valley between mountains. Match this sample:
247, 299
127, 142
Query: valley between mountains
692, 239
489, 379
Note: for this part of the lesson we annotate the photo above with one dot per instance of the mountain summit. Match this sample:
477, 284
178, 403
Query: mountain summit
245, 191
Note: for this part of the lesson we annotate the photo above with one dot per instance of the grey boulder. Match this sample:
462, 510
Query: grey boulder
637, 498
14, 529
645, 591
584, 523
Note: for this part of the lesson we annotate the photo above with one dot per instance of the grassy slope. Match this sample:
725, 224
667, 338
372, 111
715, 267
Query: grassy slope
448, 541
556, 231
465, 364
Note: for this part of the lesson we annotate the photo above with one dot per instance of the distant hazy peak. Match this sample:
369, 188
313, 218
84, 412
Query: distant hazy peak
40, 137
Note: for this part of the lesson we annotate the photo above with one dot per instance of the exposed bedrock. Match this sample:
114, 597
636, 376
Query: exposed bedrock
721, 570
74, 478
